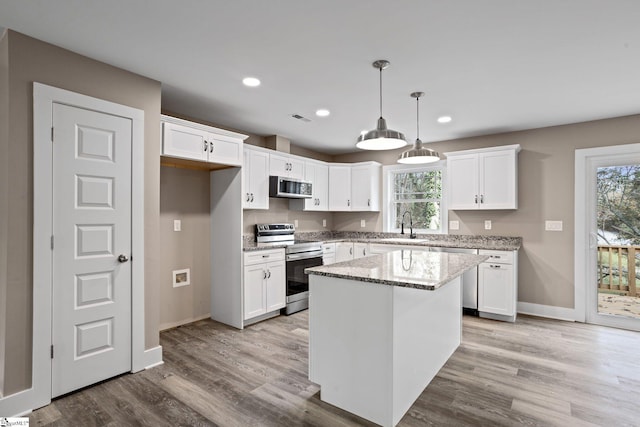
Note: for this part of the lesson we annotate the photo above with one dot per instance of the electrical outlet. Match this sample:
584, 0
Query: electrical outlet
177, 225
553, 225
363, 224
487, 224
295, 223
454, 225
324, 222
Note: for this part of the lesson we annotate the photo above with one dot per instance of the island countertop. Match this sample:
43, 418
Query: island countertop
403, 267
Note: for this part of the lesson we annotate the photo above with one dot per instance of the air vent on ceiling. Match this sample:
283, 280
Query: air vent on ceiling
299, 117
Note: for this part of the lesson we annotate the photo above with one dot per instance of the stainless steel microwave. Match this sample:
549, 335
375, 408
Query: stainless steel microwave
291, 188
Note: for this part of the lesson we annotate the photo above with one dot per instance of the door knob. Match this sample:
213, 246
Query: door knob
123, 258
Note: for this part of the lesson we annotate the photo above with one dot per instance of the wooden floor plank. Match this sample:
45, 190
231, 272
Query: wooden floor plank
535, 372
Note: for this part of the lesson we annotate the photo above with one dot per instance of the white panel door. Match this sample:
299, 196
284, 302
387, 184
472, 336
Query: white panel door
225, 150
91, 325
254, 290
462, 174
498, 180
339, 187
276, 286
185, 142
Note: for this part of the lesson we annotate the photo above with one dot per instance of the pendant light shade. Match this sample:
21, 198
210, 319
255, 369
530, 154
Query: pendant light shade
419, 154
381, 138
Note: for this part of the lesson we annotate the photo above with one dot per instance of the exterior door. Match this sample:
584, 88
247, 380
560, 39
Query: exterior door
91, 292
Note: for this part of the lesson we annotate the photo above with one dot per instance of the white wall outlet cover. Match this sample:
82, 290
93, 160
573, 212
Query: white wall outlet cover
295, 223
363, 223
324, 222
454, 225
487, 224
553, 225
181, 277
177, 225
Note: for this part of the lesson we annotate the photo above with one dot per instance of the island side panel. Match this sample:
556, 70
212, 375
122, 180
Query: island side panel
350, 345
426, 331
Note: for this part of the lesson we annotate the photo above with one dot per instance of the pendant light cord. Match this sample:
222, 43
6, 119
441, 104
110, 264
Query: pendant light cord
380, 91
417, 117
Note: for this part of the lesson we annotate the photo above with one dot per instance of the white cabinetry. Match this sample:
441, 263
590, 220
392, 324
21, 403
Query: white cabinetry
344, 251
286, 165
498, 285
360, 250
328, 253
255, 179
264, 282
365, 186
193, 141
318, 174
354, 187
485, 178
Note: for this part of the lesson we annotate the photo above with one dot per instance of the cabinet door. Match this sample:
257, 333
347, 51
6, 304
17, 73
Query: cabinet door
276, 286
498, 180
462, 175
258, 179
278, 165
225, 150
296, 168
360, 250
310, 175
185, 142
344, 251
321, 185
365, 187
339, 188
496, 289
254, 292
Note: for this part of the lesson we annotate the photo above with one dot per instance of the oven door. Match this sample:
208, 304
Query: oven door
297, 279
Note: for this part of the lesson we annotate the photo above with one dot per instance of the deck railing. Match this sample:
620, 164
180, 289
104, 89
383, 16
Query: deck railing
619, 269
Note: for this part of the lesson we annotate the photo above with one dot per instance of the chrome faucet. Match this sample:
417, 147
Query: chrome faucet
411, 234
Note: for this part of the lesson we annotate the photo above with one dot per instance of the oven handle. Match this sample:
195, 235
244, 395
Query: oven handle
306, 255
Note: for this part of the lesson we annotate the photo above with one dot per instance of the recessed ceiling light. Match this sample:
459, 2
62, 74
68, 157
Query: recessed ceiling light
444, 119
323, 112
251, 81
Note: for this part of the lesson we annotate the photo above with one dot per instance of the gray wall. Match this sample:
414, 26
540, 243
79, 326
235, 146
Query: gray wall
31, 61
546, 192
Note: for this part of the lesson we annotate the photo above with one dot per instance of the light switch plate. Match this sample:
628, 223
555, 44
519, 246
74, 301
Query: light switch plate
363, 223
177, 225
487, 224
324, 222
553, 225
295, 223
454, 225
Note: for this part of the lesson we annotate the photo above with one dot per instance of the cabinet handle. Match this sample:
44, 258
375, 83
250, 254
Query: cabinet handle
252, 197
206, 146
269, 276
494, 266
482, 198
368, 202
350, 251
476, 198
364, 252
264, 274
265, 256
248, 197
348, 202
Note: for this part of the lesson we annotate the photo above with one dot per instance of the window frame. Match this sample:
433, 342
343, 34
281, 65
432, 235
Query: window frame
388, 210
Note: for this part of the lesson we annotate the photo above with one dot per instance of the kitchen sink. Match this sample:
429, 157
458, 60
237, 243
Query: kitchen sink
401, 240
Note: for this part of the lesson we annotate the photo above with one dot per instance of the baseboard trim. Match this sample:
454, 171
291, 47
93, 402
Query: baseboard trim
17, 404
153, 357
165, 326
549, 311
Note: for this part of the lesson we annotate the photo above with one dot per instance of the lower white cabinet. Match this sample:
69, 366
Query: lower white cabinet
264, 282
344, 251
328, 253
498, 285
360, 250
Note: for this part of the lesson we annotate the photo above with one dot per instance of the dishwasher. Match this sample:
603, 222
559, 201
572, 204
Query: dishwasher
469, 281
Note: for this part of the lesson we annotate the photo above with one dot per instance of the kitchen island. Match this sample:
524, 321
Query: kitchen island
381, 327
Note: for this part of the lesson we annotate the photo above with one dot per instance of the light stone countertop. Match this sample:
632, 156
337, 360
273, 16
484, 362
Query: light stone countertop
403, 267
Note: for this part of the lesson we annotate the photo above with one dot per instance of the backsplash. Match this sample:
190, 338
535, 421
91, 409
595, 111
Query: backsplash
279, 212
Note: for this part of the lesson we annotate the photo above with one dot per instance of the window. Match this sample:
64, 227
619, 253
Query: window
417, 190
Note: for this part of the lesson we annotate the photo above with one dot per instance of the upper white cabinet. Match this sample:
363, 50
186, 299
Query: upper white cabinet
483, 179
365, 186
255, 179
286, 165
318, 174
354, 187
193, 141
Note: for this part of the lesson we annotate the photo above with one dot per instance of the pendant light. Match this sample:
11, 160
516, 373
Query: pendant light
418, 154
381, 138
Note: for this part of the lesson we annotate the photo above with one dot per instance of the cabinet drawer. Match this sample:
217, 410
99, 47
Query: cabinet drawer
498, 257
328, 248
258, 257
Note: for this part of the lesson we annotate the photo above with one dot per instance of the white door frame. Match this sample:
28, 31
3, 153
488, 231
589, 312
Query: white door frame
44, 98
585, 216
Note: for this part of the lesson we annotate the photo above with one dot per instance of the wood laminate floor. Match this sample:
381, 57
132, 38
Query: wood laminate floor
535, 372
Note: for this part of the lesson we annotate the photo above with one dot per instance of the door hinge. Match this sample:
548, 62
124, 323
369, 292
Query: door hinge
51, 133
52, 351
52, 242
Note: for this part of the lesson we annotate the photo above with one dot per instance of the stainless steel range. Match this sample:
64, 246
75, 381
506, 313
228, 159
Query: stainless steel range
300, 254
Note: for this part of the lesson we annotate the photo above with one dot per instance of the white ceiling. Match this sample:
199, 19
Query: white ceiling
494, 65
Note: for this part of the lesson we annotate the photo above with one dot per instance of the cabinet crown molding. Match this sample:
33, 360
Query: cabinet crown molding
170, 119
515, 147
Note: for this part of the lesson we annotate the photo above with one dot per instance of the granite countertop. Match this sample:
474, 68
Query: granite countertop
403, 267
498, 243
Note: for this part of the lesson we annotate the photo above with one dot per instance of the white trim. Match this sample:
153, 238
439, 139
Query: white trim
175, 120
586, 160
170, 325
549, 311
44, 97
387, 205
18, 404
515, 147
153, 357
